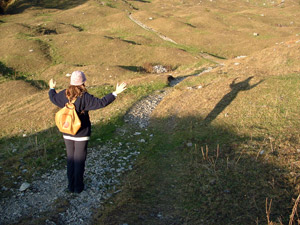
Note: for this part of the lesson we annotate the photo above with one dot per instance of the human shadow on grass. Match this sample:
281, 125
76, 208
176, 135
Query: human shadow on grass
191, 174
20, 6
229, 97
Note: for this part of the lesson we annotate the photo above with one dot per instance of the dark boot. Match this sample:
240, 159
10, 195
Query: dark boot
78, 176
70, 174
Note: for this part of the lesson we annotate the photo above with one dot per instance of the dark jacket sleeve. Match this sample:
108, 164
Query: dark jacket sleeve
58, 99
92, 103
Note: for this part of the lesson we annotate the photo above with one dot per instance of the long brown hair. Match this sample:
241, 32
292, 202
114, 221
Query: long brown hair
75, 91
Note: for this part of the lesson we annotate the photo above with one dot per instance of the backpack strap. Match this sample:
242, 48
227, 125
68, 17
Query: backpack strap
80, 106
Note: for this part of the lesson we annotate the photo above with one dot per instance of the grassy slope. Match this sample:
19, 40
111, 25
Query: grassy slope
244, 134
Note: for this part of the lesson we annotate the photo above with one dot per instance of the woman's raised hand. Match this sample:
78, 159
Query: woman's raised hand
120, 88
52, 83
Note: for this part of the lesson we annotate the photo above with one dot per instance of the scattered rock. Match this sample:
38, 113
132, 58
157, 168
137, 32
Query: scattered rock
159, 69
212, 181
241, 57
255, 34
24, 186
261, 152
190, 144
160, 216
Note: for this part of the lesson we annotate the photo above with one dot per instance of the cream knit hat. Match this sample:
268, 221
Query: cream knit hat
77, 78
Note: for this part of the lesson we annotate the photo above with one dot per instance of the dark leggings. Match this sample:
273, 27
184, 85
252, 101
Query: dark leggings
76, 155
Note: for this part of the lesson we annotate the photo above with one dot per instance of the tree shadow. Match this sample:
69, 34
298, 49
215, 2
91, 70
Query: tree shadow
20, 6
229, 97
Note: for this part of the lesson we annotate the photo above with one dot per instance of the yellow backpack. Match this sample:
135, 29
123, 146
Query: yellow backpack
67, 120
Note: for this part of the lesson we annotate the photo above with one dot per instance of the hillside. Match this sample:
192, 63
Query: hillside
216, 146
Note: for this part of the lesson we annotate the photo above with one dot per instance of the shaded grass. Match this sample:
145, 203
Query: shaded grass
220, 172
207, 183
23, 158
11, 74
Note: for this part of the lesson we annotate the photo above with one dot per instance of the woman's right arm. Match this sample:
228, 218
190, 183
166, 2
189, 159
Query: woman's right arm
56, 98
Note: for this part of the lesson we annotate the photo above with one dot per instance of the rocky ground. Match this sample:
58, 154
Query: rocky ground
104, 166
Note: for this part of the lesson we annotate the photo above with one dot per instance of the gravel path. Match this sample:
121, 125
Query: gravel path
104, 167
140, 113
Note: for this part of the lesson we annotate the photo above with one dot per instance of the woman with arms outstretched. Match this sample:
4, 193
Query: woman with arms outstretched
76, 145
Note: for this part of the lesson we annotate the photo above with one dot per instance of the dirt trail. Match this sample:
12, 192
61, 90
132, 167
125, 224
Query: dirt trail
165, 38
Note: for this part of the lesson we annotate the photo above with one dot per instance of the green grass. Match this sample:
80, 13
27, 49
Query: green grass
23, 158
47, 47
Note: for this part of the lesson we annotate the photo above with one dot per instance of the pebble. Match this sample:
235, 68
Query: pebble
24, 186
241, 57
261, 152
190, 144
